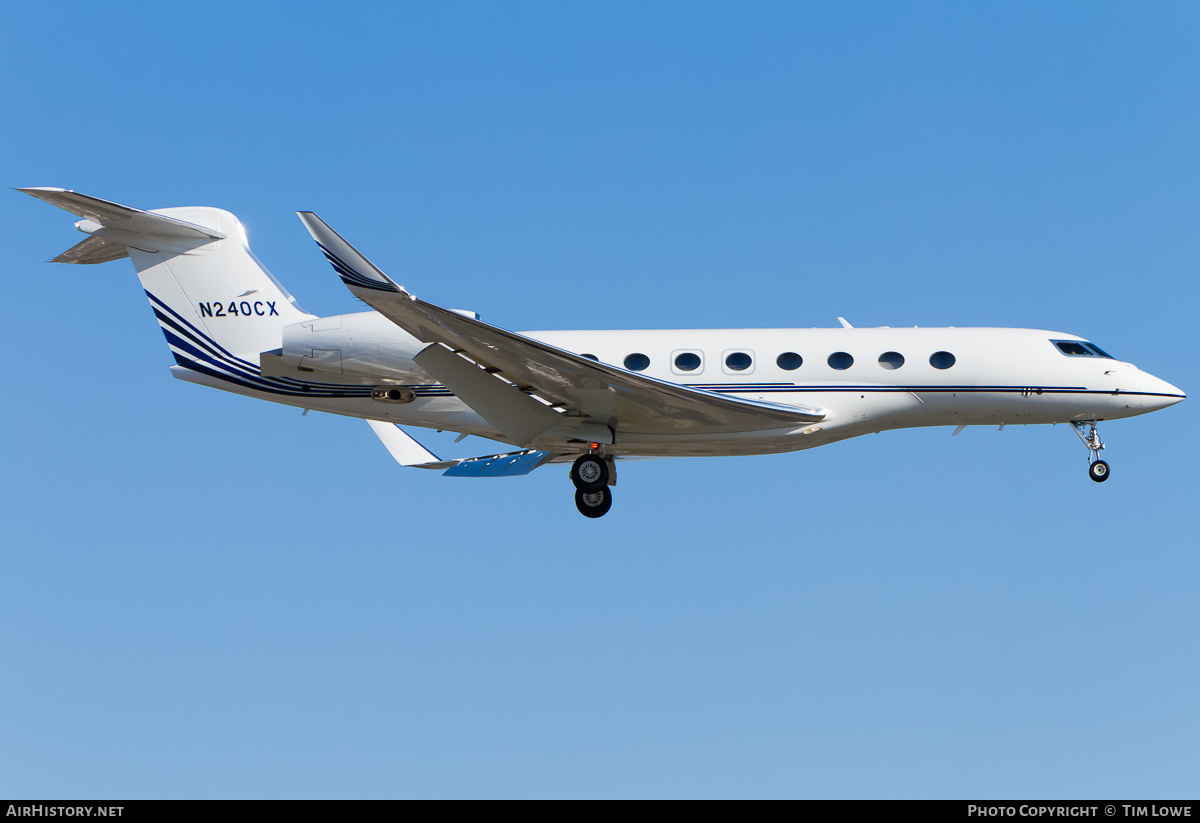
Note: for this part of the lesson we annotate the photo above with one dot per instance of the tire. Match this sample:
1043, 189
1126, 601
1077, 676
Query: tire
593, 504
1099, 471
589, 473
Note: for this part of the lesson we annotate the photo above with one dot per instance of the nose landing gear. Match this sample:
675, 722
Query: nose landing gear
590, 474
1097, 469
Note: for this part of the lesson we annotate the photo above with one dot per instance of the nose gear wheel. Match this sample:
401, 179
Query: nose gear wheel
1098, 469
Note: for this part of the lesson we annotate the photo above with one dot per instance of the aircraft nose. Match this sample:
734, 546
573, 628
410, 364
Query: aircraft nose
1158, 393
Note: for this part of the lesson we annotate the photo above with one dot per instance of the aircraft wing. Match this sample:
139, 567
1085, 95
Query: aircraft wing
411, 454
489, 367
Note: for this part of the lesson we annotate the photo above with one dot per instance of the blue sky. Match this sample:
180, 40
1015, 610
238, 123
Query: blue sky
207, 596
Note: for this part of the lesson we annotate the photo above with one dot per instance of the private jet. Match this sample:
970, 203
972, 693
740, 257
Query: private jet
584, 398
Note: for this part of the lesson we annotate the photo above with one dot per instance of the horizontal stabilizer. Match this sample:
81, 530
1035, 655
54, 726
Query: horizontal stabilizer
115, 228
123, 218
93, 250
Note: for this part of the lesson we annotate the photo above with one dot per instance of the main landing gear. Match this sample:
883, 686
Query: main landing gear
590, 474
1097, 469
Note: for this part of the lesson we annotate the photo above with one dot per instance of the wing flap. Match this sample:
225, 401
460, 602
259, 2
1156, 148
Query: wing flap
514, 413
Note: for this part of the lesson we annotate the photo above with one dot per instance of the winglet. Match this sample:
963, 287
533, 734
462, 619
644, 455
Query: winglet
347, 261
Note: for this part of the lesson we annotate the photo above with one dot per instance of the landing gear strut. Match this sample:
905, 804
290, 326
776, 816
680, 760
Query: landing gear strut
590, 474
1097, 469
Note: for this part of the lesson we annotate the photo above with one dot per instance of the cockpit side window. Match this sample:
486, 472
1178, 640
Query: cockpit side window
1070, 347
1079, 348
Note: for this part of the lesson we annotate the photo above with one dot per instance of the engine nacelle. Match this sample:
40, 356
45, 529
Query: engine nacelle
364, 344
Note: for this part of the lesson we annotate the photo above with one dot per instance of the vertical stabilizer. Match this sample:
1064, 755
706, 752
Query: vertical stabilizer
218, 289
217, 304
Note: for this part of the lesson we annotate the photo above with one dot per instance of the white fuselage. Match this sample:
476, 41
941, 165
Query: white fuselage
869, 379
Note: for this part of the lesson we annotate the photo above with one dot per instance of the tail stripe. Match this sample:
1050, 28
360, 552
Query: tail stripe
205, 348
181, 324
195, 350
175, 342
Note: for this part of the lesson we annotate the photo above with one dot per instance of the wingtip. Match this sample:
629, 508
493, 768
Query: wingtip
41, 192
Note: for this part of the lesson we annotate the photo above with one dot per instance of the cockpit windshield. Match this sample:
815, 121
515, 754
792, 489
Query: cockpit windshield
1080, 348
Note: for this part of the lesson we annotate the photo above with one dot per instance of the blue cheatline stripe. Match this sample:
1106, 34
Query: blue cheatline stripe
735, 388
350, 276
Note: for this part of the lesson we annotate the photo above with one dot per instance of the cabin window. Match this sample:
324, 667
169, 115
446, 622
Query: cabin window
738, 361
840, 360
941, 360
789, 361
687, 361
591, 357
637, 362
1079, 348
891, 360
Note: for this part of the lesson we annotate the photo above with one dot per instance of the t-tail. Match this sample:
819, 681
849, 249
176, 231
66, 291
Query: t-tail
217, 304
